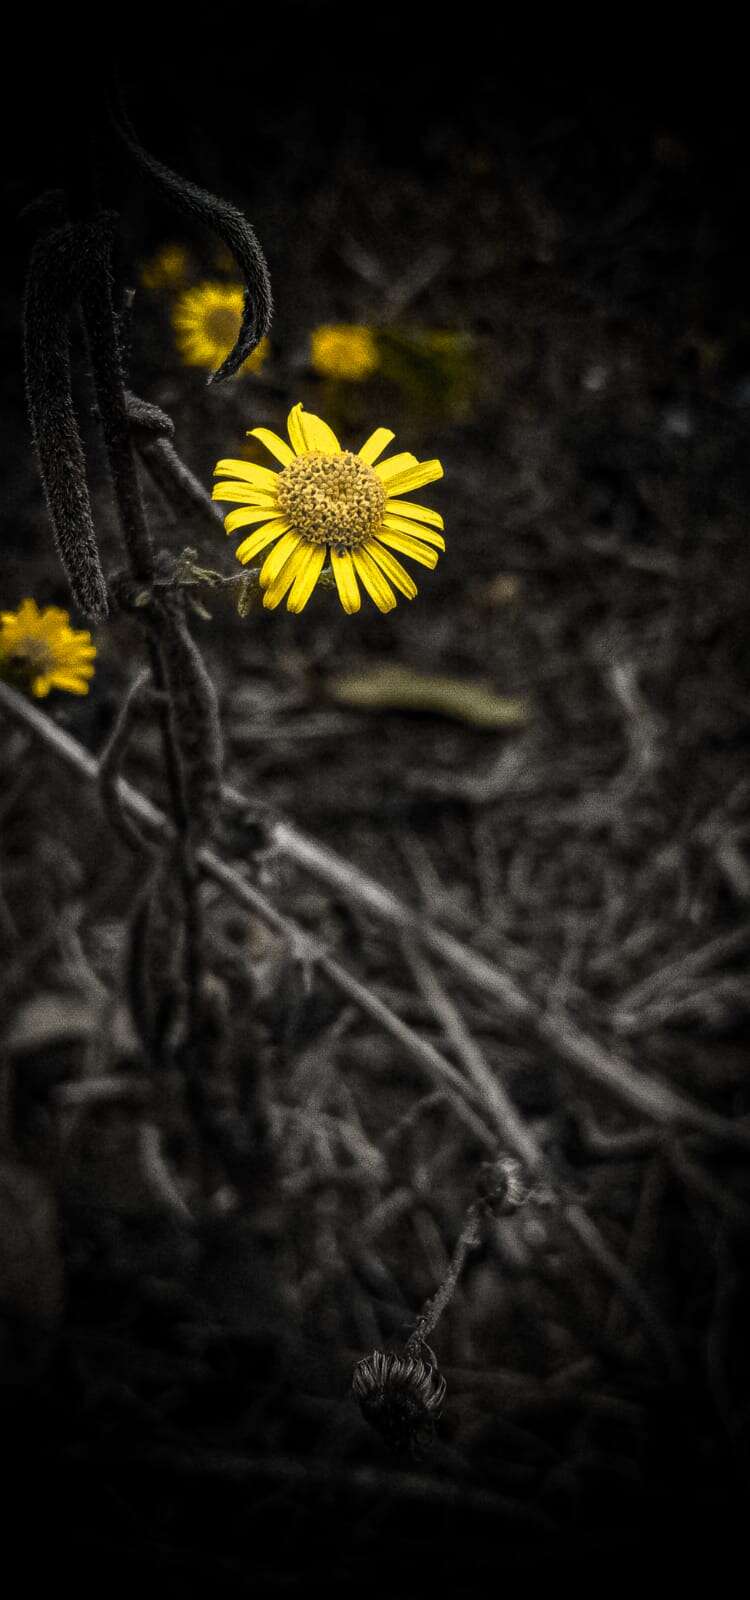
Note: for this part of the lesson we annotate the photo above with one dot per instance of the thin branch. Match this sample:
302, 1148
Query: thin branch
425, 1054
601, 1066
511, 1128
607, 1071
303, 945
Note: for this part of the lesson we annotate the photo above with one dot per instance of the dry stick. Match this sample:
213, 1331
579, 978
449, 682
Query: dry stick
639, 1092
510, 1125
643, 1234
689, 965
509, 1128
432, 1311
628, 1285
513, 1131
440, 1070
607, 1071
157, 1173
601, 1066
735, 1212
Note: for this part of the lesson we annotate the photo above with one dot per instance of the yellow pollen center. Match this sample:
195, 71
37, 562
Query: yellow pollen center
335, 500
222, 325
33, 655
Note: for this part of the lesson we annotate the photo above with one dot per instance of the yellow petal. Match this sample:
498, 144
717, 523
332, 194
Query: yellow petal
346, 581
413, 477
245, 516
406, 508
61, 680
403, 525
409, 547
278, 447
307, 577
375, 445
394, 465
281, 552
320, 436
376, 585
258, 540
276, 590
249, 472
247, 493
296, 430
393, 569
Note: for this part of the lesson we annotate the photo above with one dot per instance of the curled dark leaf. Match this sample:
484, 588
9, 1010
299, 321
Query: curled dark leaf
228, 223
146, 419
56, 272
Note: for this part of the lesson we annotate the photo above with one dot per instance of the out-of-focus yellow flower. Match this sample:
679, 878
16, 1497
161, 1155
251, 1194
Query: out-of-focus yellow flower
344, 350
327, 503
206, 320
40, 651
435, 368
443, 342
168, 269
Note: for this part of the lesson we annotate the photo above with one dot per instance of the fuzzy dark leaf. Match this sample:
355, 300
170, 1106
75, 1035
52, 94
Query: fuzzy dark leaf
229, 225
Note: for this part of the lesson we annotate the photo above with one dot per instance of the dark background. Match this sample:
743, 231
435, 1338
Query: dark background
577, 207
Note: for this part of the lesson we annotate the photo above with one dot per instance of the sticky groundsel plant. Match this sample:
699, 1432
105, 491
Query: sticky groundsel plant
71, 272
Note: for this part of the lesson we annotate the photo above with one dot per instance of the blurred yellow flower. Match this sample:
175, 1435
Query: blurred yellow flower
329, 503
40, 651
168, 269
206, 321
343, 350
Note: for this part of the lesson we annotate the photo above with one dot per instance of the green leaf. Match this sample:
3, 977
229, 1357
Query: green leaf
399, 688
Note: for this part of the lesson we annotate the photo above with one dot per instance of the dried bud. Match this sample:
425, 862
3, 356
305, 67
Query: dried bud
506, 1185
399, 1394
248, 592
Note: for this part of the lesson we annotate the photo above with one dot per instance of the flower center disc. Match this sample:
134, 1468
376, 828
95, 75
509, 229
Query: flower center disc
33, 654
335, 500
222, 325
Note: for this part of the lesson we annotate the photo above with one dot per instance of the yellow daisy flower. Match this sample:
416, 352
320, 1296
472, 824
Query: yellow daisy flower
40, 651
343, 350
326, 501
168, 269
206, 320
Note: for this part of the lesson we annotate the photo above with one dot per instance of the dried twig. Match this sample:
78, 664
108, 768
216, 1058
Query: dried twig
655, 1100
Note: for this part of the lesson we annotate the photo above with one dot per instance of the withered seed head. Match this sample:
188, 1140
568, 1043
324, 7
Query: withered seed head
399, 1394
504, 1186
